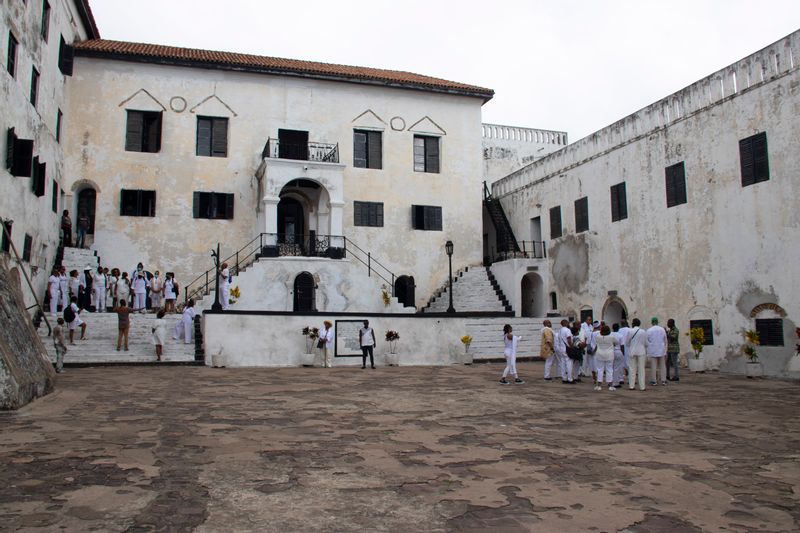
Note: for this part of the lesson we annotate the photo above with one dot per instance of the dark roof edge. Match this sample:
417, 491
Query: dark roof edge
87, 18
219, 65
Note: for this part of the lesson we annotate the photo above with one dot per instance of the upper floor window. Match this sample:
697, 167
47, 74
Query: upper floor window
213, 205
26, 248
212, 136
59, 117
5, 243
45, 19
11, 60
753, 159
426, 217
54, 203
555, 222
143, 131
367, 149
39, 177
34, 86
676, 184
135, 203
619, 202
19, 154
426, 154
368, 214
66, 56
581, 214
708, 330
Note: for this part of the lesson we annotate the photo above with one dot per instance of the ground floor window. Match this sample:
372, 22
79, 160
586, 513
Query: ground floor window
770, 331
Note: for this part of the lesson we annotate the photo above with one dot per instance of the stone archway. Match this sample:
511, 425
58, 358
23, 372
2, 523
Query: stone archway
404, 290
533, 297
304, 293
614, 311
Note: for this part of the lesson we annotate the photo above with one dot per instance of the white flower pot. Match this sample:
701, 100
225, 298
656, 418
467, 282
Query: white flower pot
468, 357
697, 364
308, 359
753, 370
392, 359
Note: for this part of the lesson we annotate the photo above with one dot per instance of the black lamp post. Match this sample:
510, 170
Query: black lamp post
216, 306
448, 247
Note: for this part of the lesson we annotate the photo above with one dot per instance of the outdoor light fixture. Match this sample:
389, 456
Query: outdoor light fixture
448, 247
216, 306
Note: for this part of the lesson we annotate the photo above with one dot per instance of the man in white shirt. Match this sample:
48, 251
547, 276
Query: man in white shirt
623, 336
99, 288
657, 351
564, 363
636, 346
366, 338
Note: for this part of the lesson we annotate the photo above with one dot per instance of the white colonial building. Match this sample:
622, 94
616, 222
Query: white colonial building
686, 209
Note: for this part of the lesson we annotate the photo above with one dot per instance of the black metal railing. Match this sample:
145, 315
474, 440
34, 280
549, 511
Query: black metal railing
527, 250
311, 151
373, 265
487, 194
311, 245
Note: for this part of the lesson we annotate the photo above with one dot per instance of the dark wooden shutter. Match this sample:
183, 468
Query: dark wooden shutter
196, 204
379, 215
26, 248
152, 204
622, 198
203, 136
219, 138
437, 218
581, 214
122, 202
555, 222
23, 158
154, 132
432, 154
760, 158
375, 147
229, 206
359, 149
770, 331
66, 57
11, 138
416, 216
55, 197
676, 184
35, 174
746, 161
39, 180
134, 131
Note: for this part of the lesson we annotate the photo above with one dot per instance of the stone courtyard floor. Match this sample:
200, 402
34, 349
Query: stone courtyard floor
398, 449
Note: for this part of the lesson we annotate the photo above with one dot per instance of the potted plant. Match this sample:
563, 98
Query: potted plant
466, 340
386, 297
391, 357
697, 338
752, 369
235, 294
311, 335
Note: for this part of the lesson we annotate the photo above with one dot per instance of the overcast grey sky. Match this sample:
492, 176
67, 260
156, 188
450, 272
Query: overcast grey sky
569, 65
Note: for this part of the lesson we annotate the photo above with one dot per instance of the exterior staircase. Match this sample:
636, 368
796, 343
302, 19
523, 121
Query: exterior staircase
474, 290
100, 345
487, 336
80, 258
506, 242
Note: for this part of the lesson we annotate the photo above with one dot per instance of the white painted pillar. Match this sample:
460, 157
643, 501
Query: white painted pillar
271, 220
337, 221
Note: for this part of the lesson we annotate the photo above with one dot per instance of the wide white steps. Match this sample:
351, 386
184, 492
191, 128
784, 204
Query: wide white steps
472, 292
100, 345
487, 336
79, 258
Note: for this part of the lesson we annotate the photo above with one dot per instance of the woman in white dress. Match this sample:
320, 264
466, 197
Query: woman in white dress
224, 287
159, 333
111, 293
170, 293
99, 289
54, 289
156, 291
123, 289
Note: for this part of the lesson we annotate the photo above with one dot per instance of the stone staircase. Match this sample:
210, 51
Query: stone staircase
100, 345
474, 290
79, 258
487, 336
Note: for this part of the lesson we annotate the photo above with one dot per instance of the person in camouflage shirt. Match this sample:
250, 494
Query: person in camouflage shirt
673, 350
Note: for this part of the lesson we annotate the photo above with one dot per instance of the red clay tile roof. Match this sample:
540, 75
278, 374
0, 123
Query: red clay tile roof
153, 53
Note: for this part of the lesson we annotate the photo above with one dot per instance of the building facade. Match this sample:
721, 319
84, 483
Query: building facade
685, 209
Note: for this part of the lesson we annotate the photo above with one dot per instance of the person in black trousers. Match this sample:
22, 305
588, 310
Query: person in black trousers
366, 338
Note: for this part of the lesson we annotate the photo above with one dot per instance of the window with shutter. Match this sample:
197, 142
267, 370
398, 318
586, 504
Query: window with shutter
676, 184
213, 205
19, 155
754, 159
45, 19
137, 203
34, 86
619, 203
582, 214
26, 248
6, 237
426, 154
708, 330
360, 149
770, 331
143, 131
555, 222
55, 196
66, 57
39, 181
212, 136
368, 214
426, 217
367, 149
11, 59
59, 118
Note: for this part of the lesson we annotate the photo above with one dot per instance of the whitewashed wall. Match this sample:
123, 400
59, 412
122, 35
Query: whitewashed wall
33, 215
507, 149
257, 106
727, 250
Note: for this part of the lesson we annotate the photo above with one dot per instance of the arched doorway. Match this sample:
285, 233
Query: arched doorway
304, 293
291, 221
614, 311
532, 295
404, 290
87, 200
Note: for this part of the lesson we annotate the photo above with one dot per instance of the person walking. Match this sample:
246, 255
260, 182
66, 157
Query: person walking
366, 338
673, 350
66, 229
623, 338
606, 344
225, 287
657, 351
159, 333
63, 287
60, 344
74, 285
85, 297
636, 346
511, 341
326, 342
111, 292
547, 348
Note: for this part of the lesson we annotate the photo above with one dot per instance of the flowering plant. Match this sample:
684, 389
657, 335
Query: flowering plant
697, 338
752, 339
311, 333
392, 335
466, 340
387, 299
235, 294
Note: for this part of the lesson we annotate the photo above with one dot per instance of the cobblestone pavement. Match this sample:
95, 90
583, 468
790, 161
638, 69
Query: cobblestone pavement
398, 449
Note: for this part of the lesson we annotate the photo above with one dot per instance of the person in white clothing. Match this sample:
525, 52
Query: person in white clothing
159, 333
63, 286
326, 339
99, 288
224, 287
585, 335
140, 285
366, 339
170, 292
563, 341
74, 285
54, 290
591, 348
623, 337
606, 344
636, 346
657, 351
156, 291
511, 341
547, 348
619, 359
185, 327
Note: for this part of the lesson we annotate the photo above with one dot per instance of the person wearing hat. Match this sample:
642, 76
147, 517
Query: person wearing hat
657, 351
326, 342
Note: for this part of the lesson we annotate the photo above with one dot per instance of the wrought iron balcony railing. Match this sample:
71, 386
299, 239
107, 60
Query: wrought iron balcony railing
311, 151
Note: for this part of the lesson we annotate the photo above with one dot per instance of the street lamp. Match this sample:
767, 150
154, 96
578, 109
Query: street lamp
216, 306
448, 247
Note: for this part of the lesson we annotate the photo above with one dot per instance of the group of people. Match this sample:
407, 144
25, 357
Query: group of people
366, 340
83, 228
608, 354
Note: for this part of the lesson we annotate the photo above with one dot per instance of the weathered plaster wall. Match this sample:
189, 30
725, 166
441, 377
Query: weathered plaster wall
25, 371
728, 249
257, 106
507, 149
242, 340
33, 215
509, 276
